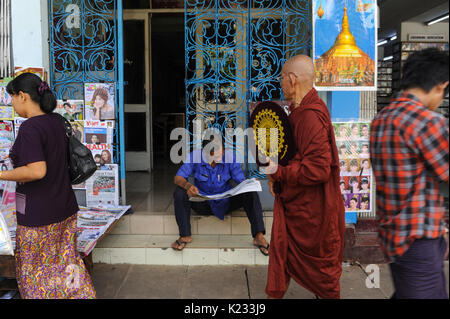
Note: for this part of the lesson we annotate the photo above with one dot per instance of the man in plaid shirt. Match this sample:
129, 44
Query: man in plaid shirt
409, 148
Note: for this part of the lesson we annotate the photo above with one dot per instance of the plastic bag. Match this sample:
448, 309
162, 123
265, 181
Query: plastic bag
8, 221
6, 246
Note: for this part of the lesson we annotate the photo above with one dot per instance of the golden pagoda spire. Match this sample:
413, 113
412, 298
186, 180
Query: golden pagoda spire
345, 37
345, 44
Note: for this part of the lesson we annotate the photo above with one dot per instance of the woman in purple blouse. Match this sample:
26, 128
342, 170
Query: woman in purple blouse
47, 262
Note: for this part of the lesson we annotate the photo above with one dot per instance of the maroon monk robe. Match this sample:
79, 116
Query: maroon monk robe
307, 241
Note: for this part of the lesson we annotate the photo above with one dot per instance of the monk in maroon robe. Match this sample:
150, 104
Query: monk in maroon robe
307, 240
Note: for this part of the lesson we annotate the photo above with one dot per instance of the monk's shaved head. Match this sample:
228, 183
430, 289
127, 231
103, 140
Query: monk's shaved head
302, 66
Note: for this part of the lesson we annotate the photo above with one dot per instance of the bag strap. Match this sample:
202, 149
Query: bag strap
66, 125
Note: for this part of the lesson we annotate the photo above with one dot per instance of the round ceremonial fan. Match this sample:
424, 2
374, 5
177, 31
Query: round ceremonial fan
272, 134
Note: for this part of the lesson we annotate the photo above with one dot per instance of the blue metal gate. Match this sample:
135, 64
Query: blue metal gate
85, 46
235, 50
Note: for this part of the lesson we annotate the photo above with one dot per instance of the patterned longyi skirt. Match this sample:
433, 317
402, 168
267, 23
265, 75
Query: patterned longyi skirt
48, 264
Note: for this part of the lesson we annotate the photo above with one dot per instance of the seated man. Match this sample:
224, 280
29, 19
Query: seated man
212, 176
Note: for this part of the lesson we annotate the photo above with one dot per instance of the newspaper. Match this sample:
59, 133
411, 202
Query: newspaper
93, 222
102, 188
114, 211
248, 185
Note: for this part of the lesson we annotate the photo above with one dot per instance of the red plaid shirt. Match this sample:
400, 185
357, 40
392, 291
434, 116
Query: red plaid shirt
409, 149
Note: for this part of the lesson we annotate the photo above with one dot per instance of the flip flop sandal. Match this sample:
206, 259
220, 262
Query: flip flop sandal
265, 247
179, 244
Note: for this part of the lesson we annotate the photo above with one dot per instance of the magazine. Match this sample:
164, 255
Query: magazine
71, 109
78, 130
99, 101
6, 139
39, 71
17, 122
5, 98
98, 132
6, 113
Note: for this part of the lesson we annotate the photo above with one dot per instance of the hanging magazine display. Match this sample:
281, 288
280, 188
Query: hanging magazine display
352, 139
99, 101
344, 44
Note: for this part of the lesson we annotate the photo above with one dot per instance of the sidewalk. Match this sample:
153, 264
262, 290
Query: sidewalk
221, 282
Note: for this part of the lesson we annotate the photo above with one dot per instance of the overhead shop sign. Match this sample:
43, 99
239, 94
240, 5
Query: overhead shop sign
426, 37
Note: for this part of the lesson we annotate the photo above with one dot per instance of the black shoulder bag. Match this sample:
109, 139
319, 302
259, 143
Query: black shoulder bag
81, 162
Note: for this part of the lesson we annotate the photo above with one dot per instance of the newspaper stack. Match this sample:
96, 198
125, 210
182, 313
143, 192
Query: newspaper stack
93, 222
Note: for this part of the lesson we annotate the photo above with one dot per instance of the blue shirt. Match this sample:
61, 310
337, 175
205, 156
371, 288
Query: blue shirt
211, 181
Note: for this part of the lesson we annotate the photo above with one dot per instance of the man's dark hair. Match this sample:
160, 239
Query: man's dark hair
425, 69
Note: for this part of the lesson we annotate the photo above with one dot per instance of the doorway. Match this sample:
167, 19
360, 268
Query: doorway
137, 91
168, 89
154, 85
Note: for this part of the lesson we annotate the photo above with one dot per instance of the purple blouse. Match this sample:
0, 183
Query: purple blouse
51, 199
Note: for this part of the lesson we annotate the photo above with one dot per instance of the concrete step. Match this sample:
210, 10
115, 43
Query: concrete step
164, 223
156, 250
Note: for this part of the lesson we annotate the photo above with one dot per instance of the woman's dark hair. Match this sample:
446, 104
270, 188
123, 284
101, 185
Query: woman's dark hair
425, 69
37, 89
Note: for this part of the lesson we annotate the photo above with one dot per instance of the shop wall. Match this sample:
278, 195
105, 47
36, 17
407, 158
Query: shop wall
29, 29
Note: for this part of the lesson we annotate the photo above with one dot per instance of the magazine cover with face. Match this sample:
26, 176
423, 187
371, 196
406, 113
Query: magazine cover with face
5, 98
6, 139
71, 110
99, 101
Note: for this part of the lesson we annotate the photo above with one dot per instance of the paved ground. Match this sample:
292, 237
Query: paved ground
220, 282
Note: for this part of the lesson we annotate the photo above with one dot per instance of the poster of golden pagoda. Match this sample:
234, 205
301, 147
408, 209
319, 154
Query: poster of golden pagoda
344, 44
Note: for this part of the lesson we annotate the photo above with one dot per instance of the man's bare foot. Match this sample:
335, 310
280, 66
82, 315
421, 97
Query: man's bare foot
261, 243
181, 242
